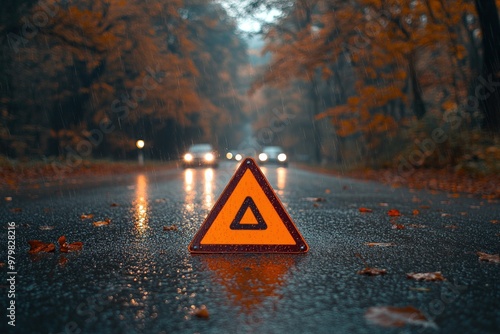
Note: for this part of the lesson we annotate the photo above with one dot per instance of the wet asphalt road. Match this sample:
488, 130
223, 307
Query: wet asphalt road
132, 276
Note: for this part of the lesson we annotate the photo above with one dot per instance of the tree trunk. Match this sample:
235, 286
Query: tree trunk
418, 104
489, 94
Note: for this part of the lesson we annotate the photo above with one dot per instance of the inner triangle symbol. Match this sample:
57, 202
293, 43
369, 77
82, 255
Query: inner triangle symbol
237, 224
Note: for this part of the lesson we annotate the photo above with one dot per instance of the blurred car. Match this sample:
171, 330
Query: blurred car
200, 155
234, 155
273, 154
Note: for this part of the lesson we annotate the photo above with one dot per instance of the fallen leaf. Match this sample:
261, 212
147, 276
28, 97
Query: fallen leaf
394, 213
495, 258
380, 244
37, 246
463, 213
65, 247
114, 204
416, 212
170, 228
417, 226
327, 191
46, 228
104, 222
494, 221
398, 226
425, 207
445, 215
427, 277
372, 271
16, 210
316, 205
315, 199
89, 216
454, 195
201, 312
62, 261
160, 200
365, 210
2, 264
391, 316
8, 199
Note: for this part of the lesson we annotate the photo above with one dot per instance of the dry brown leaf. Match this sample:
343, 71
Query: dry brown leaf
391, 316
397, 226
114, 205
372, 271
425, 207
315, 199
495, 258
394, 213
170, 228
16, 210
65, 247
380, 244
494, 221
2, 264
365, 210
445, 215
37, 246
85, 216
100, 223
46, 228
427, 277
8, 199
416, 212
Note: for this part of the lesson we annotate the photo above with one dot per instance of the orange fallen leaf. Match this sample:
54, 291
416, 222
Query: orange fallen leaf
495, 258
427, 277
8, 199
494, 221
416, 212
37, 246
62, 261
89, 216
372, 271
392, 316
201, 312
104, 222
170, 228
394, 213
365, 210
65, 247
380, 244
398, 226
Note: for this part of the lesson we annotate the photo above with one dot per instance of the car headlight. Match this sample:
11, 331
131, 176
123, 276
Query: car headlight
188, 157
229, 155
262, 157
282, 157
238, 157
209, 157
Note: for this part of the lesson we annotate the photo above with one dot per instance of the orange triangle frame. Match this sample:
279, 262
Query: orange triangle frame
300, 245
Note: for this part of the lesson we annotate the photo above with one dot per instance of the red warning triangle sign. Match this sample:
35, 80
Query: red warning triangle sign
248, 217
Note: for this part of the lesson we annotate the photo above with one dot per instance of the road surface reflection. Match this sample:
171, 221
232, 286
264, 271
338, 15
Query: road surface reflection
140, 204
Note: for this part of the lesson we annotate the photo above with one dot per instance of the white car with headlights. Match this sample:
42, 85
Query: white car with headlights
200, 155
274, 155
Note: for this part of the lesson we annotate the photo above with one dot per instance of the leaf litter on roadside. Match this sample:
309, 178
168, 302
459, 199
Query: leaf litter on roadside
392, 316
365, 210
86, 216
427, 277
495, 258
100, 223
368, 271
37, 246
65, 247
394, 213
